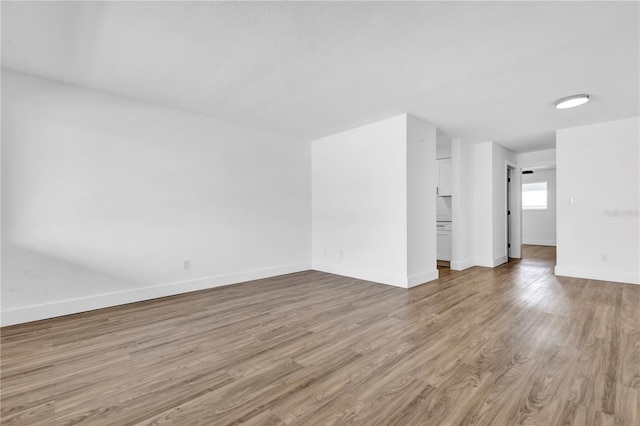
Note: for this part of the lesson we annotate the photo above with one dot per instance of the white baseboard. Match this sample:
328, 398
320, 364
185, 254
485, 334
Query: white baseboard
486, 262
377, 276
423, 278
74, 306
540, 242
461, 265
491, 263
500, 260
598, 274
361, 274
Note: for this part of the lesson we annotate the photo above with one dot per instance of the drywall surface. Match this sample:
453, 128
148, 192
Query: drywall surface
482, 211
443, 145
462, 238
103, 198
539, 226
501, 158
546, 157
359, 202
422, 177
598, 186
443, 151
489, 200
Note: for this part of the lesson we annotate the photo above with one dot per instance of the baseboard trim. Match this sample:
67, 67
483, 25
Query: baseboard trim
461, 265
500, 260
422, 278
491, 263
361, 274
487, 263
598, 274
74, 306
550, 243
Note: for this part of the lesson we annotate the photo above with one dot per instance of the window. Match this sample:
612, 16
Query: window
534, 196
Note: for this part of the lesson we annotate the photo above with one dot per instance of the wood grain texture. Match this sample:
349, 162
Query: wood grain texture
503, 346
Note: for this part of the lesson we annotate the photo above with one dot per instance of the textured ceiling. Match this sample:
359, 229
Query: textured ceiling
479, 70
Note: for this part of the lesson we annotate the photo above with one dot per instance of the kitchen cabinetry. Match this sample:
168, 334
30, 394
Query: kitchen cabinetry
443, 239
444, 177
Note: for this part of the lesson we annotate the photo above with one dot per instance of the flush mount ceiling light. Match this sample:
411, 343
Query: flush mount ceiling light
572, 101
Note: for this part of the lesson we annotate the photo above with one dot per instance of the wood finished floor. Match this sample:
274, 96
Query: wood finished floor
504, 346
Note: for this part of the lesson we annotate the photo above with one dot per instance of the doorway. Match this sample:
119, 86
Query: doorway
538, 210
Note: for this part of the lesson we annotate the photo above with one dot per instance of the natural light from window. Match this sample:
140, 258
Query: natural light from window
534, 196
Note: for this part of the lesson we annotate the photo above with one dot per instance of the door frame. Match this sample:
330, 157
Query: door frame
514, 197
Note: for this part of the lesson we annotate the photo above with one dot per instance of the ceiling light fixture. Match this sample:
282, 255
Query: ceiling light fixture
572, 101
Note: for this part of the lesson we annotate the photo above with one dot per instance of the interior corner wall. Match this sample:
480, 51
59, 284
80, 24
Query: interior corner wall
103, 198
598, 187
359, 202
422, 179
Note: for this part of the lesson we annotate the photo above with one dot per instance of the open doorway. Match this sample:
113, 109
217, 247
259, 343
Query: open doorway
444, 209
538, 212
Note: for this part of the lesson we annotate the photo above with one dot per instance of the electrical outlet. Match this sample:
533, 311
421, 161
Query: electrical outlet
604, 258
341, 254
324, 252
186, 264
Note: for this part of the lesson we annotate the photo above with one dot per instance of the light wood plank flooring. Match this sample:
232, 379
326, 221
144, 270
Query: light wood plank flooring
504, 346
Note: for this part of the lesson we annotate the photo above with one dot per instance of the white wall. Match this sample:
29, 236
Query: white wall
539, 226
443, 145
515, 251
482, 210
422, 178
462, 238
501, 158
546, 157
489, 201
104, 197
360, 202
443, 151
598, 168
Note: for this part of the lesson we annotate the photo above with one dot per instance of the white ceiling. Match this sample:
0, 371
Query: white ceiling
479, 70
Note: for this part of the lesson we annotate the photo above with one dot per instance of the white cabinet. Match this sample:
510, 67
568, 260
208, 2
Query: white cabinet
443, 239
444, 177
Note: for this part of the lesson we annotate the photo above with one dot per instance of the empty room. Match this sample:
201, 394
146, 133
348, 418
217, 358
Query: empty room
309, 213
